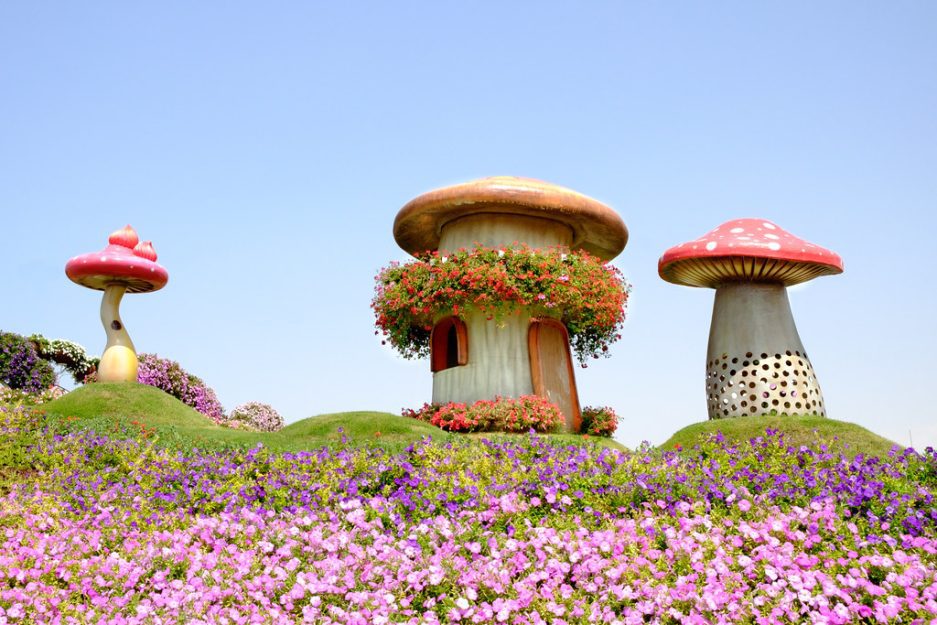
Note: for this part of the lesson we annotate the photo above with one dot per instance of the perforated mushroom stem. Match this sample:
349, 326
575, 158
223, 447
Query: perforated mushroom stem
125, 265
756, 363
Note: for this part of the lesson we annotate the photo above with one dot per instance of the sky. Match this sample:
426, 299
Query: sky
265, 151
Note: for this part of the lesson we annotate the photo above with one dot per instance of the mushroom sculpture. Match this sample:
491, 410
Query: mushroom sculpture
125, 265
473, 358
756, 363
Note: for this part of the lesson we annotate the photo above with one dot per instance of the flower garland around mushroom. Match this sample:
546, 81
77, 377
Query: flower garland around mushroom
580, 290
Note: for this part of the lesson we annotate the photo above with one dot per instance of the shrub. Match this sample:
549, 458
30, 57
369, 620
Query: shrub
14, 397
71, 356
527, 412
599, 421
21, 367
257, 416
580, 290
169, 376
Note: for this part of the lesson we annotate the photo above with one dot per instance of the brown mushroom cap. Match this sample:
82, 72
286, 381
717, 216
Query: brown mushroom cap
597, 229
747, 250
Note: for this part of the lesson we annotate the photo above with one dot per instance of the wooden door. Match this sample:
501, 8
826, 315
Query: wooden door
551, 369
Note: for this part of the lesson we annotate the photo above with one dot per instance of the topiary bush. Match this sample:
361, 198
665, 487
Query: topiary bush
525, 413
21, 366
169, 376
599, 421
256, 416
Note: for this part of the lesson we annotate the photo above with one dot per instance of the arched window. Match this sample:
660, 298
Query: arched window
448, 344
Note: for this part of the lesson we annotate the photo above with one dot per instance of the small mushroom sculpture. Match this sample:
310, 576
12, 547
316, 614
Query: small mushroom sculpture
125, 265
756, 363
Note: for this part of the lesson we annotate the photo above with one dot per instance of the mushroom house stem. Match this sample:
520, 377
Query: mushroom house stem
756, 363
119, 361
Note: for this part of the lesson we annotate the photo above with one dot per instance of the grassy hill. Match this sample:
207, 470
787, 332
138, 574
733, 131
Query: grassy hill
799, 430
104, 406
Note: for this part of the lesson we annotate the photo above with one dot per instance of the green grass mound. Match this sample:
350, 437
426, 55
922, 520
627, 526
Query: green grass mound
358, 428
127, 407
840, 436
127, 402
130, 408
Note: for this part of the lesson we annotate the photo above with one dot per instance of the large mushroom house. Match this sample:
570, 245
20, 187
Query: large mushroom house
510, 273
126, 265
756, 363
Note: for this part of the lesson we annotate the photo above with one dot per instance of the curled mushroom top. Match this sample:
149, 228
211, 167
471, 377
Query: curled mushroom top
747, 250
125, 261
596, 228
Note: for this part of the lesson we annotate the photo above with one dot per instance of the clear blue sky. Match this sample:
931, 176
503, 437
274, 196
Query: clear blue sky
266, 149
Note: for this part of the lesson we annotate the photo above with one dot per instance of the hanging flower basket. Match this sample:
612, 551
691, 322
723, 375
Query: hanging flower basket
585, 294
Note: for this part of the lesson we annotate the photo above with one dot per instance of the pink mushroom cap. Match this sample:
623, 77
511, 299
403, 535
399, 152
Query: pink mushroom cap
747, 250
117, 264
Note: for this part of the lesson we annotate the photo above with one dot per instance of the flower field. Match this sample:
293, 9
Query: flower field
117, 529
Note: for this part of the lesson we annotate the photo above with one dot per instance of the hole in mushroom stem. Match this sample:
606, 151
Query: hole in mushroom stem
115, 325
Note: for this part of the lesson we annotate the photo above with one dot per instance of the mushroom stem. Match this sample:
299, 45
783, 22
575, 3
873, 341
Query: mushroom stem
119, 360
756, 363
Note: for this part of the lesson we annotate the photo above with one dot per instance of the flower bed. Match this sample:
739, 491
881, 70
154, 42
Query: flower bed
599, 421
113, 529
525, 413
587, 295
169, 376
21, 366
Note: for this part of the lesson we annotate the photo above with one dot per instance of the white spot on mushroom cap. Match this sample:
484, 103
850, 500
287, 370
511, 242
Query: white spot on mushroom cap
711, 245
772, 236
774, 246
769, 226
737, 230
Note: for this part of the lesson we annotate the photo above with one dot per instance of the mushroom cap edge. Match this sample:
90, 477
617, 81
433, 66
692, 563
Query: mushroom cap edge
747, 250
596, 227
116, 264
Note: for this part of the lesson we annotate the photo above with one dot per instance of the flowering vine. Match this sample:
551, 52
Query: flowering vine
585, 294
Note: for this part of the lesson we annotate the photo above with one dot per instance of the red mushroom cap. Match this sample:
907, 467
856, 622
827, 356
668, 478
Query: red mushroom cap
119, 263
747, 250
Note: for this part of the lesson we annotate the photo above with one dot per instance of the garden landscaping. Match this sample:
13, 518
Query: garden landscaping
154, 513
137, 499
